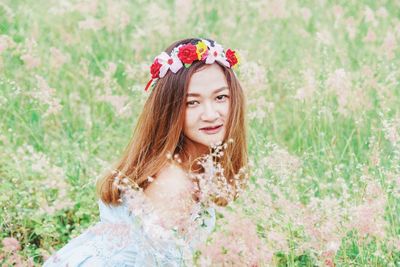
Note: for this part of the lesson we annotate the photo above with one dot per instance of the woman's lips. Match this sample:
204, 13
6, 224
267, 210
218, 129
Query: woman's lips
212, 130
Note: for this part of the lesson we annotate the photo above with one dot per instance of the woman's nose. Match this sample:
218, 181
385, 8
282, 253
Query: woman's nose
210, 113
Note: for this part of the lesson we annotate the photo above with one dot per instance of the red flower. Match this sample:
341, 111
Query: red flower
231, 57
187, 53
155, 69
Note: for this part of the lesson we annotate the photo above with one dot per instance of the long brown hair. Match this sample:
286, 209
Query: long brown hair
159, 130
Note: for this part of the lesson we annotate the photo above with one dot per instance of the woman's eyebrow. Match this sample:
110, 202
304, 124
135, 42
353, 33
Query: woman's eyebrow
215, 91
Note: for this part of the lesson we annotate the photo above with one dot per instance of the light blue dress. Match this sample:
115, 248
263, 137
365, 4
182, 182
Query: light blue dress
120, 239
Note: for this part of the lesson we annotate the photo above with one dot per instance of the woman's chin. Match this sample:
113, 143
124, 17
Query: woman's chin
213, 140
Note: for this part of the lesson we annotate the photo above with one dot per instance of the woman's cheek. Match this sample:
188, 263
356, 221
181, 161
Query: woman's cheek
191, 117
225, 108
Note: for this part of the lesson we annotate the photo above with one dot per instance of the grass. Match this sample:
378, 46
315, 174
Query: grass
321, 79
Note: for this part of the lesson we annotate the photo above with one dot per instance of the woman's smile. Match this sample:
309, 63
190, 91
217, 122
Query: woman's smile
212, 130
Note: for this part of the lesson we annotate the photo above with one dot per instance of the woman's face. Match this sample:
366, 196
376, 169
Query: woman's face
207, 106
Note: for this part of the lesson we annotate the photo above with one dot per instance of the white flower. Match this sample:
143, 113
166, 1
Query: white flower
216, 53
172, 63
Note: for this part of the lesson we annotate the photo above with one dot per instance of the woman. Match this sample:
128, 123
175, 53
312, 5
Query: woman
196, 102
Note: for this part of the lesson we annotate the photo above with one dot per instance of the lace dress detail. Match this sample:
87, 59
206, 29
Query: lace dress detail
122, 239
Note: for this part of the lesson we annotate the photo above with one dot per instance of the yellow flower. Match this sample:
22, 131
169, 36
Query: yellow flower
238, 58
201, 48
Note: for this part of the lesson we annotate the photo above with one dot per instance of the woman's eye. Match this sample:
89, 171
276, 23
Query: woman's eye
191, 103
222, 97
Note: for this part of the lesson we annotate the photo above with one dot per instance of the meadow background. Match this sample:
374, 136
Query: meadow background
322, 84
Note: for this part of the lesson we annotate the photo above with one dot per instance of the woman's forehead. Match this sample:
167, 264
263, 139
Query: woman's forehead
207, 80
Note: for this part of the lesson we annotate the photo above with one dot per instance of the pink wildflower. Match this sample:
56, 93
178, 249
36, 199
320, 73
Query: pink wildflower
369, 16
117, 18
370, 37
279, 240
58, 58
305, 13
310, 86
389, 45
86, 7
337, 11
237, 245
30, 61
5, 42
382, 12
351, 27
11, 244
185, 9
45, 94
368, 217
91, 24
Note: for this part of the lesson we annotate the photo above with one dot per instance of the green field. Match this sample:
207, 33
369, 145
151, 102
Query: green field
322, 85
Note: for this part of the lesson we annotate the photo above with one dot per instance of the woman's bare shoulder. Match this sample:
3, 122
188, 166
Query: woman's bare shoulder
171, 180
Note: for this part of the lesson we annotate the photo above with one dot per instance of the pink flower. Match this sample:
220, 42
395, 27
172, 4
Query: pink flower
11, 244
368, 217
5, 42
30, 61
305, 13
389, 45
324, 37
274, 9
117, 17
120, 103
215, 53
310, 86
3, 46
236, 245
86, 7
91, 24
382, 12
370, 37
329, 262
58, 58
369, 16
279, 240
46, 95
351, 27
282, 163
337, 10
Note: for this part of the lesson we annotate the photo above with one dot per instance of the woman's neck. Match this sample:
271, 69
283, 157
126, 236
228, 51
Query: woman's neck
192, 151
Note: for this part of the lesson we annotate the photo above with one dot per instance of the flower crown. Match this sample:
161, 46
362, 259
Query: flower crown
186, 54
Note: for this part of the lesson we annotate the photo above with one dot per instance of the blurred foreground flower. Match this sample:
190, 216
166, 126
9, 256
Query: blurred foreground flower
11, 244
236, 244
9, 255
